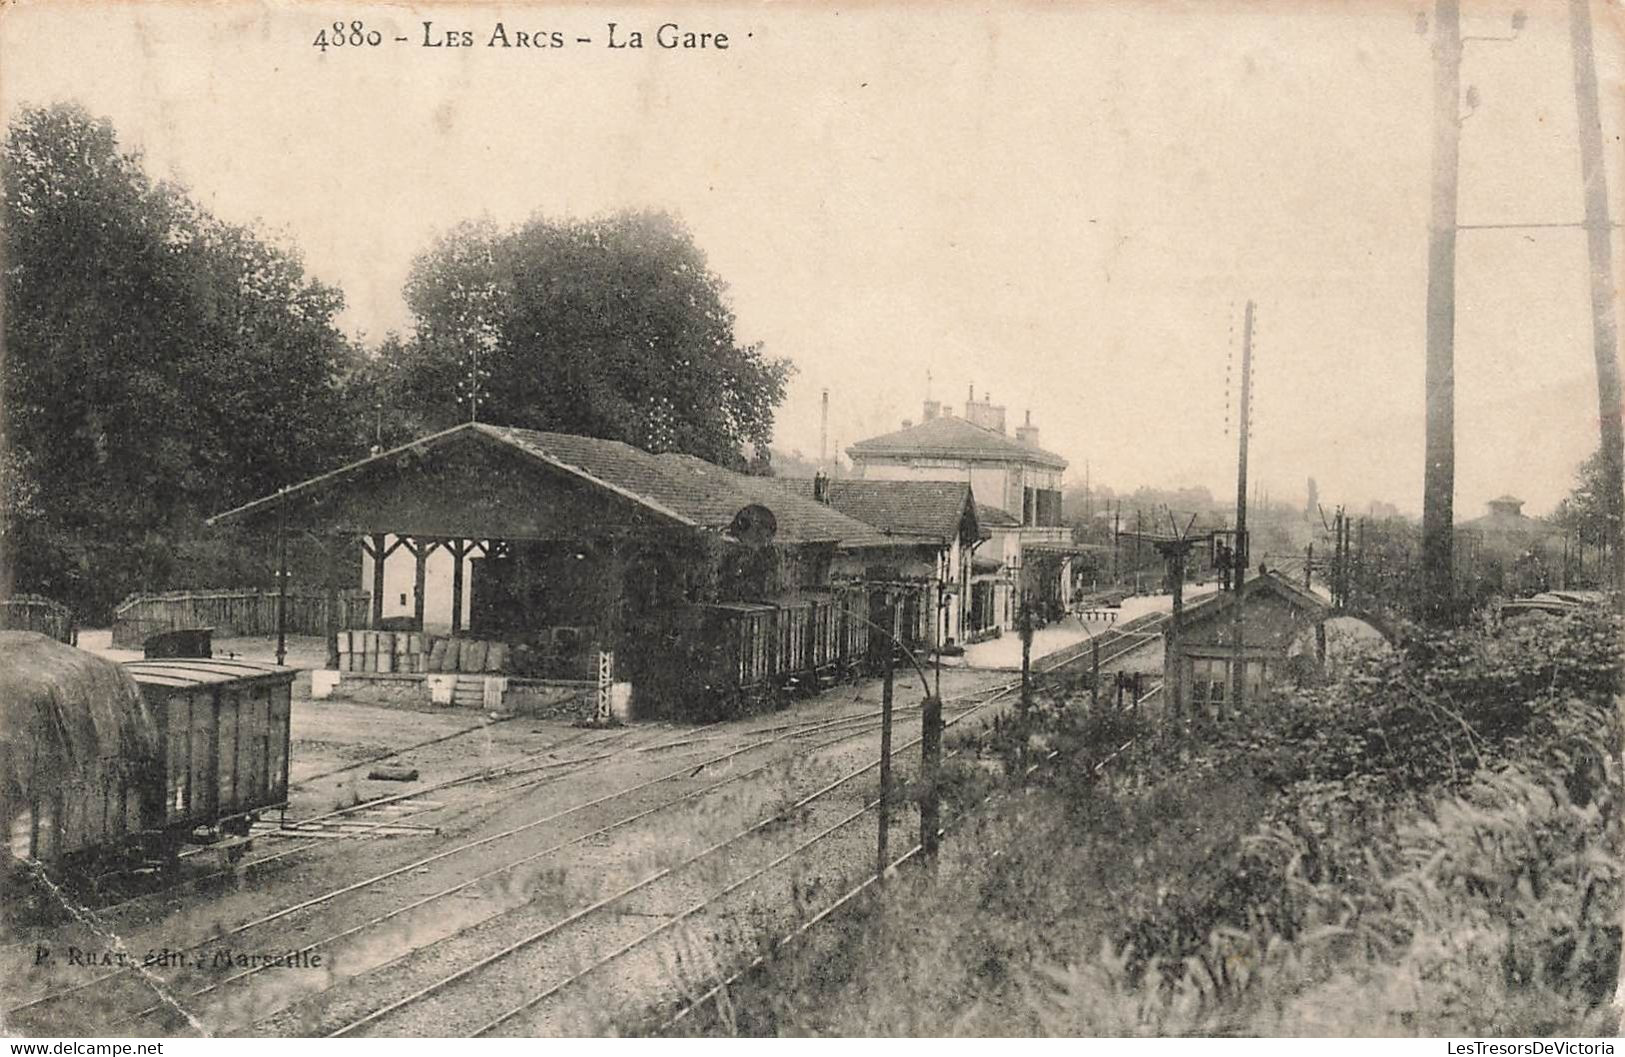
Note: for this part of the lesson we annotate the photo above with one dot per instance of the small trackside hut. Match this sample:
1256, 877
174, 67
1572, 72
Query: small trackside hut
577, 561
1281, 642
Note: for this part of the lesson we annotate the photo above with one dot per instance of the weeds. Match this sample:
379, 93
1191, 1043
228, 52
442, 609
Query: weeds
1428, 844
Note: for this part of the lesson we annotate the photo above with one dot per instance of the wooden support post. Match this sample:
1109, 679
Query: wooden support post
1094, 678
379, 556
1176, 670
458, 549
331, 546
930, 777
420, 577
1025, 733
1308, 565
282, 577
885, 758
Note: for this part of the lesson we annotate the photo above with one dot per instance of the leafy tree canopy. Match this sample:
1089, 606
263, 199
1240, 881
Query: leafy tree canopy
610, 327
161, 365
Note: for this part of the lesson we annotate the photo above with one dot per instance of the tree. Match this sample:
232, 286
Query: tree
612, 327
1586, 515
161, 365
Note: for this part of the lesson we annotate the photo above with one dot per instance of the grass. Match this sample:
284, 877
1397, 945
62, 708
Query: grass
1429, 846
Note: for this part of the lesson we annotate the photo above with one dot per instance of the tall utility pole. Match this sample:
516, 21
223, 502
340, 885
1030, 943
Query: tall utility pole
1139, 527
1604, 326
1238, 664
823, 434
1117, 531
1439, 475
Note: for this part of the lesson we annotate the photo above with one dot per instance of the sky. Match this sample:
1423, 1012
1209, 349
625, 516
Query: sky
1065, 206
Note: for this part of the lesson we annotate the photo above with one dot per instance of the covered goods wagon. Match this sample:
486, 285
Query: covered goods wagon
224, 730
79, 751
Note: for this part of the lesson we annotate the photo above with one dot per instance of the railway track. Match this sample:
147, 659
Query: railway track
107, 912
525, 772
716, 990
454, 991
850, 729
526, 776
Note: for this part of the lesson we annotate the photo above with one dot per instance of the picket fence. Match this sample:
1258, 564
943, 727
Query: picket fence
34, 613
233, 613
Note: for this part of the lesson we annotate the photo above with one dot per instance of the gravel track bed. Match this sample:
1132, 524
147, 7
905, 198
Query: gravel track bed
600, 872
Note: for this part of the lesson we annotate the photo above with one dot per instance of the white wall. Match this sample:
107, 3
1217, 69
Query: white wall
400, 575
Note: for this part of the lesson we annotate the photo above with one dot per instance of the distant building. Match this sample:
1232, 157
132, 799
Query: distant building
1504, 550
1011, 475
935, 533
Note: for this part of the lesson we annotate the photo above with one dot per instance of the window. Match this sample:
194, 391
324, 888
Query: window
1210, 680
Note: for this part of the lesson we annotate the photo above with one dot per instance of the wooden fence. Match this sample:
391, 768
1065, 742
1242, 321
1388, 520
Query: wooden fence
233, 613
34, 613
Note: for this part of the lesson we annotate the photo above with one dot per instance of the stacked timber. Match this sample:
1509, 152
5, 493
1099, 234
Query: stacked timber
385, 652
411, 652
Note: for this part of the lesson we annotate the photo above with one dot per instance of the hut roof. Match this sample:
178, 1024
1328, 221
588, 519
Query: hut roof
62, 710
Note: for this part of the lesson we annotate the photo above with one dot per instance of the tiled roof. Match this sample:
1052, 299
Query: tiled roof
950, 435
933, 509
799, 518
1270, 581
996, 517
681, 488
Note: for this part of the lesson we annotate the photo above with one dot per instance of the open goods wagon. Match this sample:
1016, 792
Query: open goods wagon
106, 766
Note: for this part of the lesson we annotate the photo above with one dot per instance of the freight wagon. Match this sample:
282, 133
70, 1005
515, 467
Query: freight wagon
108, 766
223, 726
726, 658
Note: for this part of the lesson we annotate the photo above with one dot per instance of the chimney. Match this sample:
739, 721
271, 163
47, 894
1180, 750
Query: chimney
933, 408
907, 422
1028, 433
986, 414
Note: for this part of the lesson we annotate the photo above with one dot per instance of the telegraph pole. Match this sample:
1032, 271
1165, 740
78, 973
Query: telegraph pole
1117, 531
1604, 326
1238, 665
1439, 474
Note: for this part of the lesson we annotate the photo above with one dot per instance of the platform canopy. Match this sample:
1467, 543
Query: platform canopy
478, 481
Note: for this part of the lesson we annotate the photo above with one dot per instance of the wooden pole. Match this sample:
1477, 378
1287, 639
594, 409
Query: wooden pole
420, 578
930, 775
1176, 562
1117, 531
379, 556
458, 548
331, 546
1238, 666
1094, 677
1026, 682
885, 751
1439, 472
1604, 325
1359, 559
282, 576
